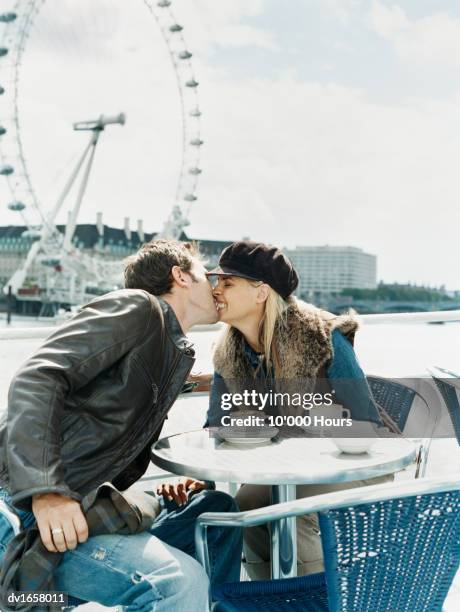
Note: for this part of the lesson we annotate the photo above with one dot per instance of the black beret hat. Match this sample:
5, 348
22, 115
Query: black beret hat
258, 261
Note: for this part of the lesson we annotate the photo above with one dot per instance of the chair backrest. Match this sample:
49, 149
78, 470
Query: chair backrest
451, 395
396, 399
399, 554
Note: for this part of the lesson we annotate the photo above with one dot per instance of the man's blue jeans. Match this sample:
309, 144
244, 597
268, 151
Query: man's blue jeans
153, 570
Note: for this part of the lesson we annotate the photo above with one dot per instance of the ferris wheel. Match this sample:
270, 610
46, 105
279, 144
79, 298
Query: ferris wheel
50, 245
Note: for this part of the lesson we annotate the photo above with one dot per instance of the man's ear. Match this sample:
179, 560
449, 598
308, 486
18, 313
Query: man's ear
262, 293
179, 277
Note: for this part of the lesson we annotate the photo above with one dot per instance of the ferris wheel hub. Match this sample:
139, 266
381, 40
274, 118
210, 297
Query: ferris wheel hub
99, 124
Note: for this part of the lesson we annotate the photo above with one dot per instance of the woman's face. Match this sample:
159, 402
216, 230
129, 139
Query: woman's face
237, 299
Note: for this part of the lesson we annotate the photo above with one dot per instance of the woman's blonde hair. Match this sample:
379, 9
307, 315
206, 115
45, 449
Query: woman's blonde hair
275, 308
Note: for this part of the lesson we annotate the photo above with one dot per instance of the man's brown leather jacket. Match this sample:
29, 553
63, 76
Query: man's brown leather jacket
85, 408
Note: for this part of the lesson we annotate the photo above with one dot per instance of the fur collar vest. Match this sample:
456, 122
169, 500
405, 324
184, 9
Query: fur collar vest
303, 339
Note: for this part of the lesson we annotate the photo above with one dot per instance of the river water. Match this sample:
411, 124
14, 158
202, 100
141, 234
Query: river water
396, 350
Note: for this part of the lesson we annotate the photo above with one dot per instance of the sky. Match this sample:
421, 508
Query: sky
324, 122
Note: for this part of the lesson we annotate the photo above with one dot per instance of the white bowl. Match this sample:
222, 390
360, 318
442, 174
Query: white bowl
354, 446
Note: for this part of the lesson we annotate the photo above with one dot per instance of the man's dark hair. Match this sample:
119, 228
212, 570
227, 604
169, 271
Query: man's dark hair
150, 268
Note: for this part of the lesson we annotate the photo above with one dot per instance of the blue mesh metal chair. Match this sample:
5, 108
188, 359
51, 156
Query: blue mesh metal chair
386, 548
450, 393
397, 400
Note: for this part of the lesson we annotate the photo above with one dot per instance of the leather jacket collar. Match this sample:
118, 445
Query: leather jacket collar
174, 329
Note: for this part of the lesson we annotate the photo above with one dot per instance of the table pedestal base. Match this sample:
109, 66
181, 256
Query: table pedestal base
284, 536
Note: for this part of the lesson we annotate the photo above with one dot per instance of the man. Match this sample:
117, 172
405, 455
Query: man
86, 408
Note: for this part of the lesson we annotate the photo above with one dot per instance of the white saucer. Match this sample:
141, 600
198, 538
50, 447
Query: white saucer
245, 441
247, 435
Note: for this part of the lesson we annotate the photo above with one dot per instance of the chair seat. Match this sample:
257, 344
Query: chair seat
307, 593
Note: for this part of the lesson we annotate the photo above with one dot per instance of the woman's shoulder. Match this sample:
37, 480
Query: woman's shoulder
346, 323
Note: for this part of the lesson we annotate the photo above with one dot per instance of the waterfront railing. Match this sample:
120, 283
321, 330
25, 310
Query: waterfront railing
435, 317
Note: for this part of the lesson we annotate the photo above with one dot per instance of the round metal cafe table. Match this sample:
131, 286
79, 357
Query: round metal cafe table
283, 465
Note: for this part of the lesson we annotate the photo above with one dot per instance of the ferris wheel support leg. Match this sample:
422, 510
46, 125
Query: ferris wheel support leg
70, 228
18, 278
51, 218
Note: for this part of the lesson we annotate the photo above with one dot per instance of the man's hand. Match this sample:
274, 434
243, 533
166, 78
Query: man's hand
202, 380
179, 491
60, 520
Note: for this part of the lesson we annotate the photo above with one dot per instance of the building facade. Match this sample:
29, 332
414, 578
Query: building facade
323, 269
329, 269
96, 240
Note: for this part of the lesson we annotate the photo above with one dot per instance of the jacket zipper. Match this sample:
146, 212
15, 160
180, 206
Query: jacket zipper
144, 421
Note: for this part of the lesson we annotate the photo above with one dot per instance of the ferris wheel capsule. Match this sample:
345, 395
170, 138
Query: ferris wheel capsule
17, 206
7, 17
6, 170
164, 3
195, 170
191, 83
3, 51
2, 130
196, 142
176, 28
189, 197
185, 55
195, 112
2, 90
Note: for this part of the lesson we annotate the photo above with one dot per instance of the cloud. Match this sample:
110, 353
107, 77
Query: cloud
342, 10
434, 39
225, 24
303, 163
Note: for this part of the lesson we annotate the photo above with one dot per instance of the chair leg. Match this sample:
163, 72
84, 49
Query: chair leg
418, 461
422, 459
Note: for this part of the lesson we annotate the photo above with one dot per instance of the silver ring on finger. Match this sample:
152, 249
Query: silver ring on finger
57, 531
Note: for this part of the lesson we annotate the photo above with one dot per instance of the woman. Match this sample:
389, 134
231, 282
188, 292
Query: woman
272, 338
